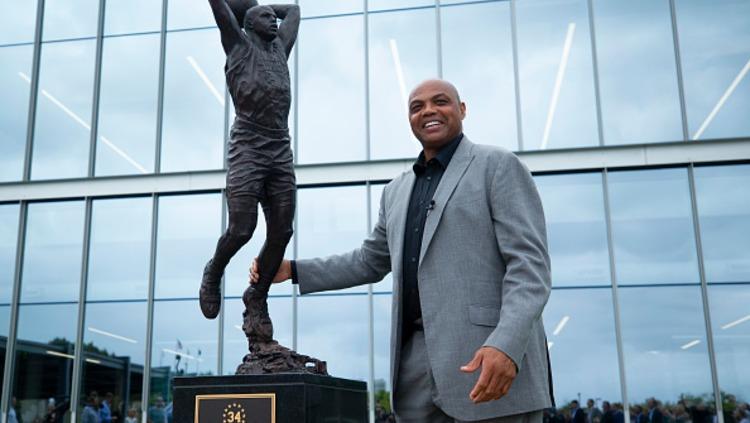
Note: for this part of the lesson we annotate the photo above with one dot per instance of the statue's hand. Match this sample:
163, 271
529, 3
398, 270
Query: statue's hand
284, 272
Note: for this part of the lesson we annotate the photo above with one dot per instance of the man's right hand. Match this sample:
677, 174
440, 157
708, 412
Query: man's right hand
284, 272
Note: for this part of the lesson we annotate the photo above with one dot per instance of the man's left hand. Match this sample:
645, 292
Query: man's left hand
498, 372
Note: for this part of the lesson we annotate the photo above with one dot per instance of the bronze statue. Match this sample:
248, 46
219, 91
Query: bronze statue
260, 168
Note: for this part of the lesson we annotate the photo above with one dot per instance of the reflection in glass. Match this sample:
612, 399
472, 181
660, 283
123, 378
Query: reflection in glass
557, 74
189, 14
488, 90
18, 21
192, 137
14, 61
128, 16
188, 228
730, 316
8, 245
322, 316
63, 120
580, 328
331, 221
652, 227
664, 342
402, 53
382, 305
397, 4
182, 346
235, 341
637, 72
114, 339
576, 230
53, 252
44, 359
120, 249
331, 91
70, 19
724, 215
330, 7
715, 53
127, 105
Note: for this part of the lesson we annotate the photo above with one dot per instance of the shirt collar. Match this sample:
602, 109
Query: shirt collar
443, 157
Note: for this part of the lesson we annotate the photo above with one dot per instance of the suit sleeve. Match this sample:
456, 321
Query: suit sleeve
366, 264
518, 221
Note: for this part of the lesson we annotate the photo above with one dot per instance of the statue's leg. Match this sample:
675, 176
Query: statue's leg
279, 211
243, 217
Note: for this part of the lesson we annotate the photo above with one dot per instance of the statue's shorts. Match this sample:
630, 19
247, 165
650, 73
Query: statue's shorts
259, 160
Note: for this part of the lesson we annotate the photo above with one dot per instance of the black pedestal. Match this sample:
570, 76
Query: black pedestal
275, 398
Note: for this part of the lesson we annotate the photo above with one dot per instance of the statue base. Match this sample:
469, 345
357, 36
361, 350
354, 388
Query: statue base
271, 357
272, 398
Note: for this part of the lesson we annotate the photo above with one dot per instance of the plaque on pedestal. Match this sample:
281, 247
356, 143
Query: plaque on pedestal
272, 398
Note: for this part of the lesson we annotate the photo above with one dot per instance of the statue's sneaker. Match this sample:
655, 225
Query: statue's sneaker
209, 295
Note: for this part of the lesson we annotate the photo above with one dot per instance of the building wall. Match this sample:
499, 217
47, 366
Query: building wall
651, 263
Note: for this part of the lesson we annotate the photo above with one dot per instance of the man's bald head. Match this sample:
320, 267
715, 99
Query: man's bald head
445, 85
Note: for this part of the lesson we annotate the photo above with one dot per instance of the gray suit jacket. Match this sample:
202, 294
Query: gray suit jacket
484, 276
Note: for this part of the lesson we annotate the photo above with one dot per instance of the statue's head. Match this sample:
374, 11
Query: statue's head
262, 21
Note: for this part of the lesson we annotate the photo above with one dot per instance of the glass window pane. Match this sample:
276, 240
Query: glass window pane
652, 227
70, 19
235, 341
557, 74
115, 339
193, 102
331, 90
8, 245
488, 90
331, 221
44, 359
397, 4
329, 7
715, 54
189, 14
52, 259
15, 69
321, 316
63, 119
637, 73
580, 328
403, 53
382, 304
120, 249
576, 230
184, 346
664, 342
18, 22
730, 316
127, 105
127, 16
724, 214
188, 228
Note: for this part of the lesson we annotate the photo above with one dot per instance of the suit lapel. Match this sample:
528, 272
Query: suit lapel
456, 169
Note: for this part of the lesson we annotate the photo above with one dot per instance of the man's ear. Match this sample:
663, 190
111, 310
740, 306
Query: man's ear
462, 107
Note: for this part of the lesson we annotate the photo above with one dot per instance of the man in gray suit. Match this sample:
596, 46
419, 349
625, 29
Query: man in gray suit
464, 235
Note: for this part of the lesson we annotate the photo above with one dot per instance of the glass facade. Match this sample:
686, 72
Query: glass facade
651, 265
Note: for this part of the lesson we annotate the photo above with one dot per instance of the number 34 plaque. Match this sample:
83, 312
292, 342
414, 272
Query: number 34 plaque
235, 408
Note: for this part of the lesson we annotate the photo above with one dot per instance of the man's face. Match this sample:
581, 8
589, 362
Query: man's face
262, 20
435, 113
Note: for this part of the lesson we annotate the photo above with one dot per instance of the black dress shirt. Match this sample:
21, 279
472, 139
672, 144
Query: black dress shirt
428, 177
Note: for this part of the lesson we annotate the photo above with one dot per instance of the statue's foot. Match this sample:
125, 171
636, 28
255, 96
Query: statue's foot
209, 295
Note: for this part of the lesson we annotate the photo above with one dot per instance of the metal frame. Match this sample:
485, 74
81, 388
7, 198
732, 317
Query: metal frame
96, 92
704, 295
146, 388
78, 359
10, 346
516, 73
160, 93
678, 68
595, 64
33, 91
615, 298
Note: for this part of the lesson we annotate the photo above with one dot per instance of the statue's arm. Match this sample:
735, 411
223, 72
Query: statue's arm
231, 33
289, 15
